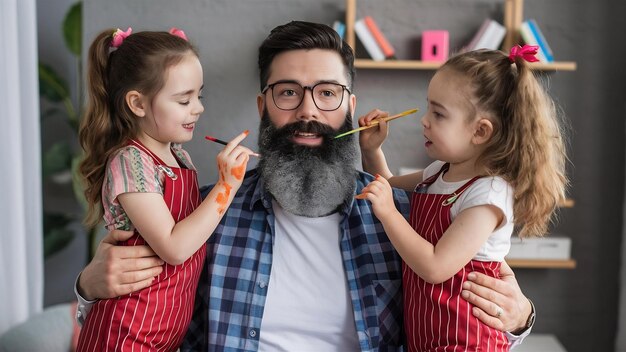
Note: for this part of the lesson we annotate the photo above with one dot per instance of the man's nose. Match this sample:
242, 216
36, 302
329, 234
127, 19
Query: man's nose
307, 109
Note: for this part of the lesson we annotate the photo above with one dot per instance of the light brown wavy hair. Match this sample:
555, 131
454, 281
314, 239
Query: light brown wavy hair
527, 147
139, 63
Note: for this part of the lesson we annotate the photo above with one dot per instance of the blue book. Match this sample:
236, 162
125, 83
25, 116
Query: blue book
541, 40
340, 28
529, 38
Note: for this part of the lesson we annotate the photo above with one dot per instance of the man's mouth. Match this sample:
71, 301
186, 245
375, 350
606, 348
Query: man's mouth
307, 138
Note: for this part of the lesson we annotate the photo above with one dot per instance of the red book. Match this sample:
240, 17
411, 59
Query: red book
380, 38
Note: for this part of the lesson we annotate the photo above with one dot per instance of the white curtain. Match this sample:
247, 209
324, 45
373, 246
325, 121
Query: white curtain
21, 241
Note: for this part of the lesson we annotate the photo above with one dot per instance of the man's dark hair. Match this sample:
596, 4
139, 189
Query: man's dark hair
303, 35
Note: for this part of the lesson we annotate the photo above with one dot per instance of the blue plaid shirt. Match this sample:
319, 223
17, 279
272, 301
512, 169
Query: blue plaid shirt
232, 289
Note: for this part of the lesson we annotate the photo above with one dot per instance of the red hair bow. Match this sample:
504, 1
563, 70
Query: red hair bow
178, 32
526, 52
119, 36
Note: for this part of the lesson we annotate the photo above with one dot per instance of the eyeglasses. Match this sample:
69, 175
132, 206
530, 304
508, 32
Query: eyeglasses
289, 95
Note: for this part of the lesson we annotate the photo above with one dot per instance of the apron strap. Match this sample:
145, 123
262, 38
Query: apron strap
454, 196
422, 186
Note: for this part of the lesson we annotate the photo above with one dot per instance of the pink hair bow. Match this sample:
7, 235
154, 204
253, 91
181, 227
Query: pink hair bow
526, 52
178, 32
119, 36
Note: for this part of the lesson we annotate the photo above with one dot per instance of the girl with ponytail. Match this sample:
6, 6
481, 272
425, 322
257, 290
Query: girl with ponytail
500, 166
144, 92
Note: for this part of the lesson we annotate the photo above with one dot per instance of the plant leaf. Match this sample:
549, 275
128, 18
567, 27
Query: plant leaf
55, 240
79, 190
50, 113
51, 86
53, 221
56, 235
72, 28
56, 159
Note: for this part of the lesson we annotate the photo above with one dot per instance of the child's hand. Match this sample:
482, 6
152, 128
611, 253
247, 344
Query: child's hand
372, 138
232, 162
380, 194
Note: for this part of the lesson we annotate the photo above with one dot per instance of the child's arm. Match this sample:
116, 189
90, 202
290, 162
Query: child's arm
372, 156
461, 241
176, 242
371, 140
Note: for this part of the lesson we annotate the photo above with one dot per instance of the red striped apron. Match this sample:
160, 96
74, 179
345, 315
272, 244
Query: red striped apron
436, 317
155, 318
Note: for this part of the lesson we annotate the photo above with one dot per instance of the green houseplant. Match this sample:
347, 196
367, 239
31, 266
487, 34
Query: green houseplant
60, 160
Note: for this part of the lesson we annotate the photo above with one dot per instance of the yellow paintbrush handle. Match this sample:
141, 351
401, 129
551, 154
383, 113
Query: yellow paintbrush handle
376, 122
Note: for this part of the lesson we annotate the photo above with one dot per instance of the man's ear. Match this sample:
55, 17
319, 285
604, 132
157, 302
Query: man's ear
136, 103
483, 131
352, 105
260, 104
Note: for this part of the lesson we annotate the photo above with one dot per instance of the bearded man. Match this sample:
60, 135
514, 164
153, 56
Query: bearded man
297, 264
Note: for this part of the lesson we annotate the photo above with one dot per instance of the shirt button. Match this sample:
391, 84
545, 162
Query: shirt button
252, 333
262, 284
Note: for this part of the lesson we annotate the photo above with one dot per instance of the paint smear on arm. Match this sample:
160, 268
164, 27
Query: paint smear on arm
239, 171
222, 198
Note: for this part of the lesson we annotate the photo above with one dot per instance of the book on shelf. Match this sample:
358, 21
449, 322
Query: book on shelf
489, 36
340, 28
541, 40
529, 38
380, 38
368, 41
479, 33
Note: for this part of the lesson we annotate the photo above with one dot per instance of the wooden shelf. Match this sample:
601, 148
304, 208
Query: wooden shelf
542, 263
513, 16
426, 65
554, 66
396, 64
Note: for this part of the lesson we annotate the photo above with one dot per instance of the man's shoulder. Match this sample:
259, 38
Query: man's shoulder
362, 176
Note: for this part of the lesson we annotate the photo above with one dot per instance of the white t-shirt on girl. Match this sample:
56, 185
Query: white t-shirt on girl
492, 190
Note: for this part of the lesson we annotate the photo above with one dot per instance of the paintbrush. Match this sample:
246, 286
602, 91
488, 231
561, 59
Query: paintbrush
217, 140
377, 121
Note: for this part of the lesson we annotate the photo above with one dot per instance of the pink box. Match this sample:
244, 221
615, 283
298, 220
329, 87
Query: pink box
435, 45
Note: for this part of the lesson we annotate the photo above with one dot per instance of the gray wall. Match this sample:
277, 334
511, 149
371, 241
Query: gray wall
580, 305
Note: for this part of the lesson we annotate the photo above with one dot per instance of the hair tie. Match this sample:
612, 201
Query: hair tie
526, 52
119, 36
178, 32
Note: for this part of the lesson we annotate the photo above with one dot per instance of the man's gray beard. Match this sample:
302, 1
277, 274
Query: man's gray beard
307, 181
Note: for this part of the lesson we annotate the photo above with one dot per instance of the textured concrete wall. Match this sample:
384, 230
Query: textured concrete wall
580, 305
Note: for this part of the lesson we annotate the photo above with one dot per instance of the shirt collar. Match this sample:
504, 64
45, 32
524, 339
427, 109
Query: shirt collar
348, 203
260, 194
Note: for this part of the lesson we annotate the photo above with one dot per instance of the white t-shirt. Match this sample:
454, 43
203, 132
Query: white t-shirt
492, 190
308, 305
